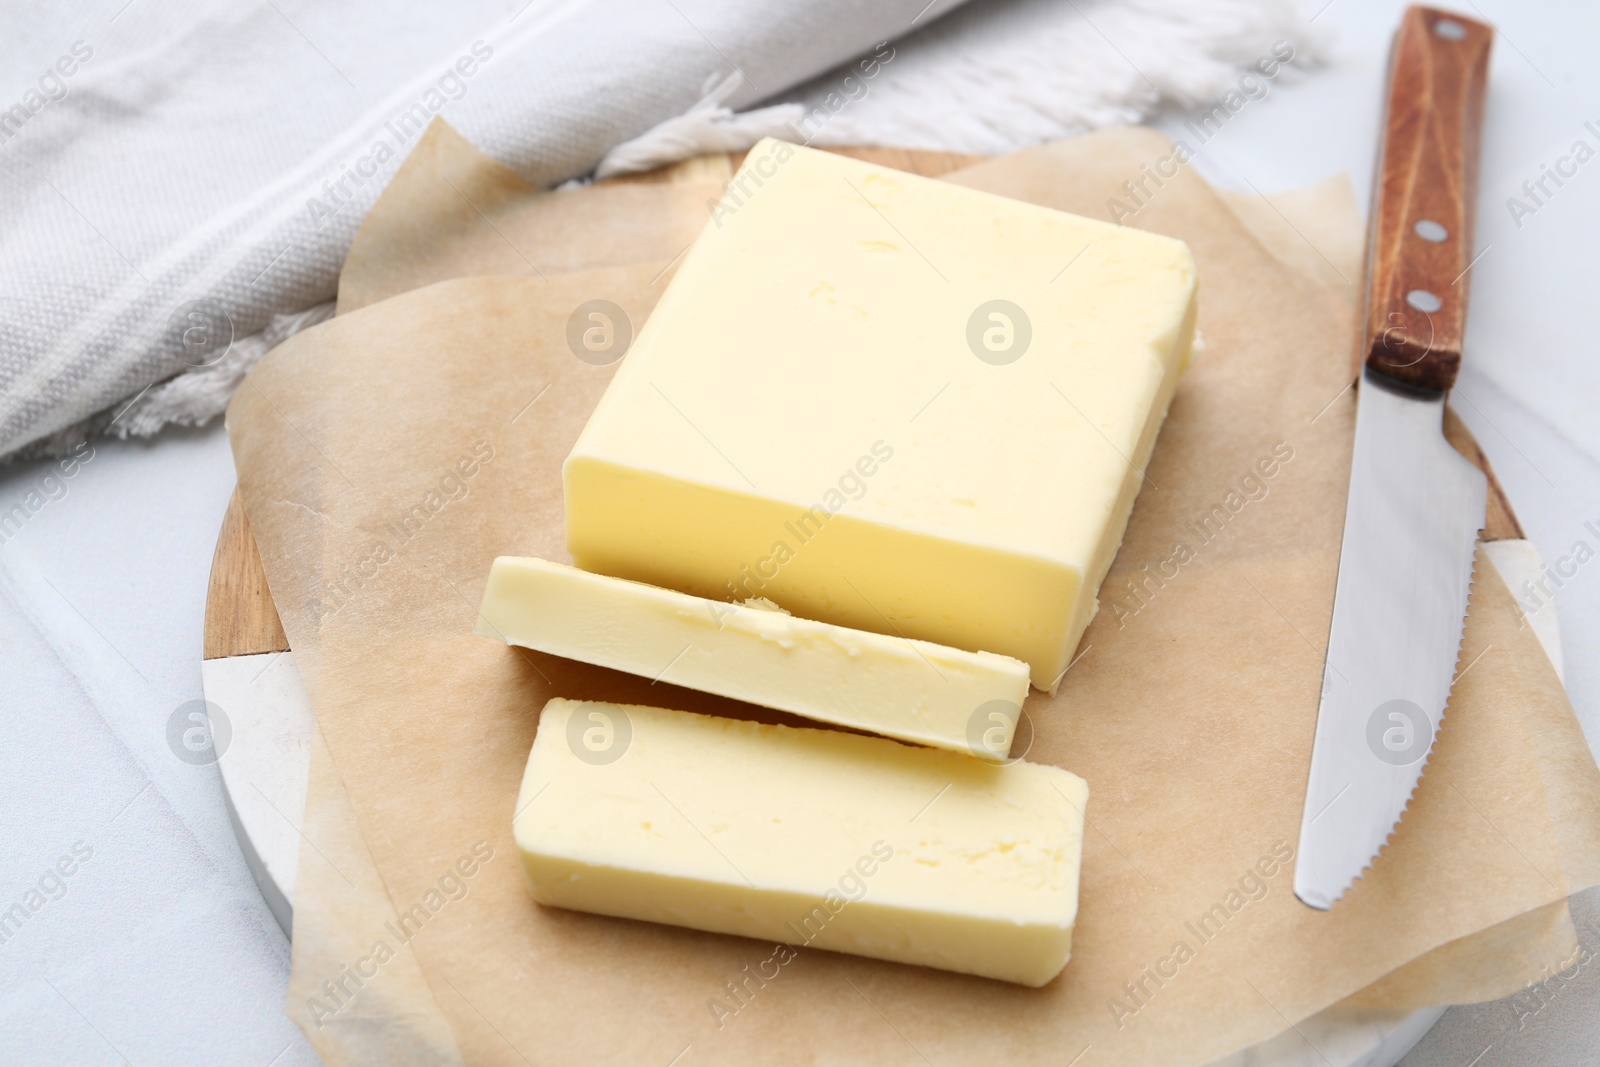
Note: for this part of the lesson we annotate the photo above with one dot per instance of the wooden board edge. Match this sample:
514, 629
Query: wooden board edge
1500, 522
241, 619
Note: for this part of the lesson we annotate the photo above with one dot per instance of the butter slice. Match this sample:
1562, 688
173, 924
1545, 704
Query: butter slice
828, 409
812, 838
911, 690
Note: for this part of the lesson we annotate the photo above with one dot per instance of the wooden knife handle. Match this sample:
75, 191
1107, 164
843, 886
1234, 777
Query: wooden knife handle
1424, 197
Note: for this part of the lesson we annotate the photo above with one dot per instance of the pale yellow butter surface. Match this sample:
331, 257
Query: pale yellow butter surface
812, 838
911, 690
829, 408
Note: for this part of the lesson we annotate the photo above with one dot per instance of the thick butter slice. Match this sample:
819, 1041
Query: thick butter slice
813, 838
911, 690
891, 403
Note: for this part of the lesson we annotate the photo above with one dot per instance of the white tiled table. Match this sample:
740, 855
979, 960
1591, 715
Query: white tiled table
160, 950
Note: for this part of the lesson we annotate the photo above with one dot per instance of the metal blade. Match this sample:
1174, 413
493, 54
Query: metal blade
1405, 575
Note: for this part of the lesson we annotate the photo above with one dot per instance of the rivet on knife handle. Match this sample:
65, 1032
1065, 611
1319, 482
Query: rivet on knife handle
1420, 246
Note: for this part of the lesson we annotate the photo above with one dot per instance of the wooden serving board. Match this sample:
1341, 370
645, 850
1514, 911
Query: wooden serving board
250, 681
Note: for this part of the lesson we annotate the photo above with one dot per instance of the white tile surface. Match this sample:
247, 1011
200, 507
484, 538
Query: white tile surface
160, 949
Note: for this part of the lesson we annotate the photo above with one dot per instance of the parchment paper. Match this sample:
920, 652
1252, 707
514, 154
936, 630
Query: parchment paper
403, 246
1316, 231
452, 211
1191, 720
341, 909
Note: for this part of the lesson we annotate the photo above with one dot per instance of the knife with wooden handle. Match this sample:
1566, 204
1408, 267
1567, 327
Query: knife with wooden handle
1416, 505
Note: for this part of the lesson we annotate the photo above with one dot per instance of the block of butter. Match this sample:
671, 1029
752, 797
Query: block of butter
808, 837
911, 690
892, 403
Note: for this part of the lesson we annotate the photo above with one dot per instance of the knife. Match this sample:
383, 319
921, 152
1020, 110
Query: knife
1416, 505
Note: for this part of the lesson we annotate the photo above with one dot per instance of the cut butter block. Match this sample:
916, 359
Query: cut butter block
912, 690
811, 838
892, 403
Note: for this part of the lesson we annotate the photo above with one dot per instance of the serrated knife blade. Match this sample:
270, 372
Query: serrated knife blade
1405, 571
1416, 505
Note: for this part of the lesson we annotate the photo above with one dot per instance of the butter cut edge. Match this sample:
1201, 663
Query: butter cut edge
910, 690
